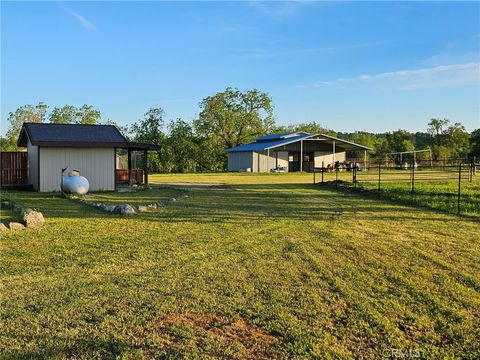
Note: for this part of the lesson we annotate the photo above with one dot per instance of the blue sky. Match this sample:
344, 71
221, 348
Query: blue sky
350, 66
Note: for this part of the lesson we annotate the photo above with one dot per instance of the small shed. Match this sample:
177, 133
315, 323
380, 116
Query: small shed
94, 150
292, 151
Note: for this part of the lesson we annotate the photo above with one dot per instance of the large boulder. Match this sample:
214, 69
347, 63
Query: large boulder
142, 208
16, 226
127, 209
33, 219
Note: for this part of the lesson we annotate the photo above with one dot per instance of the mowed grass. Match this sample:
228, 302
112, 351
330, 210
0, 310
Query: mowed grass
140, 197
442, 195
262, 266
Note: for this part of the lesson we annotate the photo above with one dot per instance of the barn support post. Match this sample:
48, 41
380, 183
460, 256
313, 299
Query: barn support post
365, 160
129, 152
333, 153
323, 169
145, 165
301, 155
268, 160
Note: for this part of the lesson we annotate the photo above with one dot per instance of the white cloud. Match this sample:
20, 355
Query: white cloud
443, 75
86, 23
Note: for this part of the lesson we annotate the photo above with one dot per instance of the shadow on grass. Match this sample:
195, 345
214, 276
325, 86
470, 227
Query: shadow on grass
239, 203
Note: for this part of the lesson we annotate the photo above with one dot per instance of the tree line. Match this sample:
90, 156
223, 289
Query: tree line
231, 118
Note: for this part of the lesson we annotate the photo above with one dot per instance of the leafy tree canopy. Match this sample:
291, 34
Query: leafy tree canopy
234, 117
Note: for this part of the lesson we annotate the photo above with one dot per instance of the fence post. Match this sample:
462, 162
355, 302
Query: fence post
314, 175
354, 173
336, 178
472, 164
413, 177
379, 166
459, 186
323, 169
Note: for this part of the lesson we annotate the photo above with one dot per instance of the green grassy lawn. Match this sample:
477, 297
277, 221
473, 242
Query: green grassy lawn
8, 215
265, 266
441, 195
142, 197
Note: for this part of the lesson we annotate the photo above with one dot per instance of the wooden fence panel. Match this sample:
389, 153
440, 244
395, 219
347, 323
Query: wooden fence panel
13, 168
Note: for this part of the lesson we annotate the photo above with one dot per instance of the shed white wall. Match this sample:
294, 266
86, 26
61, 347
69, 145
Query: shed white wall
96, 164
32, 165
240, 161
327, 157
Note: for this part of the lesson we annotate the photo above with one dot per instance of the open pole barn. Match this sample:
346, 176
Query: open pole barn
292, 151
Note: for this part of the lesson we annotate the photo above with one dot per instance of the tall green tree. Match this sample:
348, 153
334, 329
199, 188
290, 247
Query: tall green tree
400, 141
233, 117
437, 126
180, 150
25, 113
87, 114
457, 139
150, 130
67, 114
312, 127
475, 143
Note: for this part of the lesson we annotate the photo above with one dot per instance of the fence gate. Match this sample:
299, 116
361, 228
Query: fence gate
13, 168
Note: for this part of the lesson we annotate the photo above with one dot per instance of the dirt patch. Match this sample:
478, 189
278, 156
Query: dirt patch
238, 337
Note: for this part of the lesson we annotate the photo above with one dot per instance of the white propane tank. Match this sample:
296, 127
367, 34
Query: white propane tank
75, 184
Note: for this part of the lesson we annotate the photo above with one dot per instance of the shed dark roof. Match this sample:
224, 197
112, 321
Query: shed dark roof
70, 135
75, 135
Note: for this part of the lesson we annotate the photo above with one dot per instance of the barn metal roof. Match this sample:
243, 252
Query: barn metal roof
276, 140
280, 136
266, 144
75, 135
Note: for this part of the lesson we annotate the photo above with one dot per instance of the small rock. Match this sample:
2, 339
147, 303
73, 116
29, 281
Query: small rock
103, 207
17, 207
171, 199
33, 219
16, 226
127, 209
83, 202
3, 228
160, 204
152, 206
110, 208
142, 208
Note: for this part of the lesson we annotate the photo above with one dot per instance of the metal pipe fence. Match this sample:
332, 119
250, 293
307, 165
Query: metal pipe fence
383, 177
